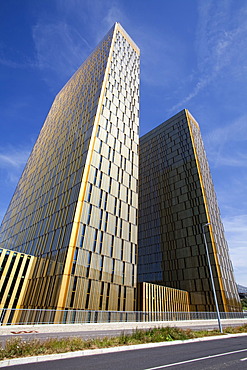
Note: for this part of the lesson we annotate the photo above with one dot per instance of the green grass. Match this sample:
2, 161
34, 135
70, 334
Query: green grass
17, 347
244, 303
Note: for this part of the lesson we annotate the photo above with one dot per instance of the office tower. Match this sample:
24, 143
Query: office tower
177, 197
75, 206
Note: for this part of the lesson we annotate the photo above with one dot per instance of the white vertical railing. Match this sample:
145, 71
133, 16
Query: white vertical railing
41, 316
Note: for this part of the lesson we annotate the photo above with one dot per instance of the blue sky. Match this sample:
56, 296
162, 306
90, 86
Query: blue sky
193, 55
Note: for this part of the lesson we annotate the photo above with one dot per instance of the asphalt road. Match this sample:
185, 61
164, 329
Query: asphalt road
230, 353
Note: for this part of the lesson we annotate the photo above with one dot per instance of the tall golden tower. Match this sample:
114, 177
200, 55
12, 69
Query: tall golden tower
74, 210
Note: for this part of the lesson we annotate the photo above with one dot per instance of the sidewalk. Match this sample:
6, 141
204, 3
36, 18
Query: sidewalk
58, 328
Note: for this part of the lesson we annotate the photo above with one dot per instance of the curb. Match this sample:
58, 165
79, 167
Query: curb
90, 352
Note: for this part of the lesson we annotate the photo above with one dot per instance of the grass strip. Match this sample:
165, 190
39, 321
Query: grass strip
18, 347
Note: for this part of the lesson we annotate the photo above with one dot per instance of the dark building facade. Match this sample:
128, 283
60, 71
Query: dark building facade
177, 197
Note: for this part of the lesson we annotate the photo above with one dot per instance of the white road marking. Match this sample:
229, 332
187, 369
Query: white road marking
243, 359
198, 359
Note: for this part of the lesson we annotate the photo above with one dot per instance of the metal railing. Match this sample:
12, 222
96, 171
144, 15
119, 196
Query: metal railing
42, 316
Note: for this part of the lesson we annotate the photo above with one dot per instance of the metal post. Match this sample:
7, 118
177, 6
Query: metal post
211, 276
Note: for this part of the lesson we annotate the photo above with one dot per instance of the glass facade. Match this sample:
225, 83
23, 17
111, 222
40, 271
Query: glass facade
177, 197
75, 206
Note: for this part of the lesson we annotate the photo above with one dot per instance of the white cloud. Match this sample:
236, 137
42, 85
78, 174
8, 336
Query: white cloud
114, 14
221, 32
237, 224
235, 131
220, 47
160, 67
13, 64
99, 16
236, 234
11, 157
238, 160
12, 162
59, 47
200, 85
219, 143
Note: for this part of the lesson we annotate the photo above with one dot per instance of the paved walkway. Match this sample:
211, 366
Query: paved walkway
89, 352
57, 328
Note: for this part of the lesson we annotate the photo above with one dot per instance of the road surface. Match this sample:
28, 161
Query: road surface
229, 353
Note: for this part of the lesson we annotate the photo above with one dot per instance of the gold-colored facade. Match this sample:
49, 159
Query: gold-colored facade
75, 206
158, 298
15, 268
177, 197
